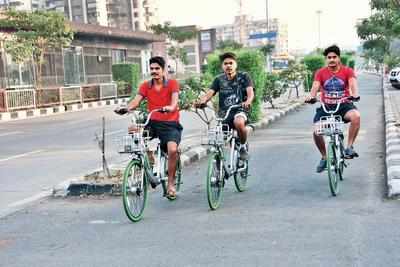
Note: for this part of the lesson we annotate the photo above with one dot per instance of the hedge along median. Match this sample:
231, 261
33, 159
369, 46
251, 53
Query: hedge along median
127, 76
252, 62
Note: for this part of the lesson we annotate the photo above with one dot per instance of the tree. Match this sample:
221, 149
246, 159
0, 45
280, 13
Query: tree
178, 35
229, 45
380, 29
34, 34
294, 76
178, 54
272, 88
267, 49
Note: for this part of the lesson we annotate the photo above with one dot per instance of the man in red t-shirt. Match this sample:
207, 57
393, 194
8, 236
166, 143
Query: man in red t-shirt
335, 82
162, 93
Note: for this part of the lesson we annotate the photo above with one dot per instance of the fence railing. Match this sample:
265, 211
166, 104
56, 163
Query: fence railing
71, 94
108, 90
19, 99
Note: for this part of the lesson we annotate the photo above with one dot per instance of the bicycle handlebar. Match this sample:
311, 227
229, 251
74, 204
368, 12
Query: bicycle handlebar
124, 110
350, 98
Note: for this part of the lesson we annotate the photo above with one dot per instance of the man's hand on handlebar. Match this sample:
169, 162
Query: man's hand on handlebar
166, 109
200, 104
246, 105
310, 99
121, 110
354, 98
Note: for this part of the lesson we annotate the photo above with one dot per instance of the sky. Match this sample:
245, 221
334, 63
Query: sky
338, 18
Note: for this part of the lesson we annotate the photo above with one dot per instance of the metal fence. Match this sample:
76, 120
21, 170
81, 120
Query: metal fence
71, 94
108, 90
48, 97
3, 106
26, 98
20, 99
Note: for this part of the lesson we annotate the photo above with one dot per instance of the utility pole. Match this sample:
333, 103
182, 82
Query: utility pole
267, 13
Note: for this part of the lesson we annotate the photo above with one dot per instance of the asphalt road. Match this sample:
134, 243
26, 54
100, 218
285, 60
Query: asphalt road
287, 217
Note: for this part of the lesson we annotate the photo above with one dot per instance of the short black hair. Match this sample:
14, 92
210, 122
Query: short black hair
227, 55
333, 48
159, 60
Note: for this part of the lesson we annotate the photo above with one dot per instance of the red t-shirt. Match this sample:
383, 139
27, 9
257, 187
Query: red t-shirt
334, 85
158, 99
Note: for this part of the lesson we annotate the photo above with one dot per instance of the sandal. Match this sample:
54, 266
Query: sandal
171, 195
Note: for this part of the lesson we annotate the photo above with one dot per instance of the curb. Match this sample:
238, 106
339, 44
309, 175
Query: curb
42, 112
75, 187
392, 146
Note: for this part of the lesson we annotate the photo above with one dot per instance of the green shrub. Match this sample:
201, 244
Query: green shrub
252, 62
313, 63
128, 73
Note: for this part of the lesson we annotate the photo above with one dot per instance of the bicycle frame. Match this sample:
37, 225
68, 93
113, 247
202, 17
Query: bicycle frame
228, 136
156, 173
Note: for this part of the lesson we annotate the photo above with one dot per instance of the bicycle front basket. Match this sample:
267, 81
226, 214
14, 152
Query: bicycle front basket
329, 125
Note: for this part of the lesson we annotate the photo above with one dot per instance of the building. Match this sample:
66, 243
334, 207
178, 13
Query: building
192, 52
207, 44
79, 73
22, 5
137, 15
254, 33
83, 11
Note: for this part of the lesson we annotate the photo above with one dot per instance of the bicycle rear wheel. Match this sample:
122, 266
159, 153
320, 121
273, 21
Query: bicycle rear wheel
341, 159
215, 180
134, 190
178, 174
333, 168
240, 177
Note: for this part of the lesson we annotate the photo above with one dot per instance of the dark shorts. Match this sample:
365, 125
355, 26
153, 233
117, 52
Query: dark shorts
166, 131
233, 114
344, 108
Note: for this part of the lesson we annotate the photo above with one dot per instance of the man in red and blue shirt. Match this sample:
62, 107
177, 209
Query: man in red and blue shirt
162, 93
336, 81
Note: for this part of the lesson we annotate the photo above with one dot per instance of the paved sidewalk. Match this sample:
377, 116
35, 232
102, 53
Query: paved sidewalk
392, 120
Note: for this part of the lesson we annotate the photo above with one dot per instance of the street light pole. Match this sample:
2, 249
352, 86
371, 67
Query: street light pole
319, 12
267, 14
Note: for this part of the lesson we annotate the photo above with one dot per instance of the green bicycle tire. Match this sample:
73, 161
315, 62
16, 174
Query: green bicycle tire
241, 178
215, 181
131, 170
342, 159
332, 169
178, 174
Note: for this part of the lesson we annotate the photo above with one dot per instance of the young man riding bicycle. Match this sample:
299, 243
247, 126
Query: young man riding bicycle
162, 93
234, 87
336, 81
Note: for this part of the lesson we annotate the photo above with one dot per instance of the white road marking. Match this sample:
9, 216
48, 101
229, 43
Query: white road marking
21, 155
10, 133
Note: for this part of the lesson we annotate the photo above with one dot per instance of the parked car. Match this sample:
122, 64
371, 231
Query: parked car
394, 77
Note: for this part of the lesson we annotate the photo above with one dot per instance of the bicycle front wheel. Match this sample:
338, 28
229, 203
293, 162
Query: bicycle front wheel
134, 190
242, 173
215, 180
333, 169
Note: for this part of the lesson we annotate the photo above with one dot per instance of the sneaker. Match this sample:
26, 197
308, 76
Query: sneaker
321, 166
244, 155
350, 153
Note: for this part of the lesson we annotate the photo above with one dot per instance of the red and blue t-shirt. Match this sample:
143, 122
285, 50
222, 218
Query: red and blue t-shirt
158, 99
334, 85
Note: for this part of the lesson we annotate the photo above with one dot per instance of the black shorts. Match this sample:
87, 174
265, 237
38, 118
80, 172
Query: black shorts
166, 131
343, 109
233, 114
